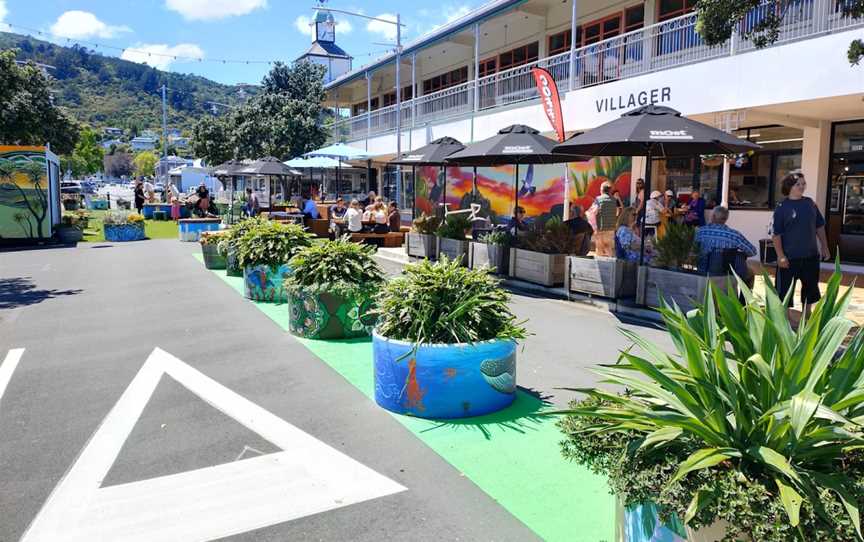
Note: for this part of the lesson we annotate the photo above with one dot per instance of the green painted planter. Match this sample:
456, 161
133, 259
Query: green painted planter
328, 316
232, 265
212, 258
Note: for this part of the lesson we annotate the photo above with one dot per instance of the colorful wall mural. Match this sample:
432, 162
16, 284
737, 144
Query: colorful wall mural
541, 187
26, 195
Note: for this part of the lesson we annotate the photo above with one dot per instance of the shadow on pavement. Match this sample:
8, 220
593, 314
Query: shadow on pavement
524, 415
20, 292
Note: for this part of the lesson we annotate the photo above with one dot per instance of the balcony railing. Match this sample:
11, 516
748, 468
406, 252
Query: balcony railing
661, 46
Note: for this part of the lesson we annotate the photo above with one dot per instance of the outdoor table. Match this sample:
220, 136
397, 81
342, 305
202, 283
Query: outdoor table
191, 228
295, 218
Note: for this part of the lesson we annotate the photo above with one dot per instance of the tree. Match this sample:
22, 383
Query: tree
28, 115
210, 140
119, 164
716, 19
145, 163
87, 157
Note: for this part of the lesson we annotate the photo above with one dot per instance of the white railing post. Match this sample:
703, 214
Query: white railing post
368, 105
476, 67
733, 41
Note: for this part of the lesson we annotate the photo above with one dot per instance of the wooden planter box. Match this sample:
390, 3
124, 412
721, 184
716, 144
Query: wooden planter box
537, 267
453, 249
496, 257
601, 276
686, 289
422, 245
329, 316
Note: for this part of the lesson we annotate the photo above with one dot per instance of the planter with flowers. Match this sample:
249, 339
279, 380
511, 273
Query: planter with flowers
331, 289
123, 226
70, 229
210, 250
263, 251
445, 342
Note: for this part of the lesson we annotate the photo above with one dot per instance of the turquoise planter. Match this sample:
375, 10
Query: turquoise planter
329, 316
232, 266
444, 380
190, 229
642, 523
123, 232
264, 282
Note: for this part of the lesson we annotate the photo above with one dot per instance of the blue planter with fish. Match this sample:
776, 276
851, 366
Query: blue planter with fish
265, 282
122, 233
444, 380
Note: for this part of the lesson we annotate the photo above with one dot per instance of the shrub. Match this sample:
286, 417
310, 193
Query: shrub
271, 243
426, 224
750, 421
211, 237
70, 220
678, 248
444, 302
454, 227
234, 233
497, 237
553, 237
338, 267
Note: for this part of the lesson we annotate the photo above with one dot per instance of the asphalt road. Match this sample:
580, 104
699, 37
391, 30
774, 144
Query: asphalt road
89, 317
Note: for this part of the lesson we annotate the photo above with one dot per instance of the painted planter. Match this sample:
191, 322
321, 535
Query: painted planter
264, 282
422, 245
601, 276
444, 380
123, 232
99, 204
150, 208
69, 234
191, 228
493, 256
537, 267
642, 523
454, 249
328, 316
232, 265
71, 204
685, 289
212, 258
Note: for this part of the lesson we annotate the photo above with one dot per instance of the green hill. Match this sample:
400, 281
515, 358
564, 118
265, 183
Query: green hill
105, 91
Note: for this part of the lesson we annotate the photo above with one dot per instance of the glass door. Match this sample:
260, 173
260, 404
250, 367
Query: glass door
853, 206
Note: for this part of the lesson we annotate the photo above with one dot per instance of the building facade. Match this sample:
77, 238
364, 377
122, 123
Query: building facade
798, 98
324, 50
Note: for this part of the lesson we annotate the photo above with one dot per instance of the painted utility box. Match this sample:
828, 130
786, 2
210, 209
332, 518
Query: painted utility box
29, 192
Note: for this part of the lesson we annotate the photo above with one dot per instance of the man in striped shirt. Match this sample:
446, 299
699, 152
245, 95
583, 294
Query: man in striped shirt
716, 237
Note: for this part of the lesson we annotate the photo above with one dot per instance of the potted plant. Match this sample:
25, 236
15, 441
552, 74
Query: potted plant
602, 276
263, 252
750, 430
227, 244
71, 202
672, 272
422, 241
445, 342
123, 226
540, 254
492, 250
83, 218
330, 290
451, 237
70, 229
213, 259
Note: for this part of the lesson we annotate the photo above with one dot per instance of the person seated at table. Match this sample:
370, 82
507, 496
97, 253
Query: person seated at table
577, 225
252, 206
310, 210
337, 216
393, 217
517, 221
627, 240
654, 210
695, 210
715, 239
369, 200
354, 217
374, 202
379, 218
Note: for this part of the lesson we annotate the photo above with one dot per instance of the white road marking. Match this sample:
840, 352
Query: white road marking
307, 477
8, 367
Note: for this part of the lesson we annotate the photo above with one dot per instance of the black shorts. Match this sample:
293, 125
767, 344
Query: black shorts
807, 271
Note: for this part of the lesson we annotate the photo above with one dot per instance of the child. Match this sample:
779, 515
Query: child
175, 209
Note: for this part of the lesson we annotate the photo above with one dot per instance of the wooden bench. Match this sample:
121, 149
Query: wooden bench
388, 240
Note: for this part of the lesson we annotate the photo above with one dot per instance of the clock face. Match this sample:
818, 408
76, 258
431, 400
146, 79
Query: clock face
326, 31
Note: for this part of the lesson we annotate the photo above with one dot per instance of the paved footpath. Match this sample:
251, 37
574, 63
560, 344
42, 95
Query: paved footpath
152, 402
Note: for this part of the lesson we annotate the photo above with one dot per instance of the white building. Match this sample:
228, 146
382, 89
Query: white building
324, 50
143, 143
798, 98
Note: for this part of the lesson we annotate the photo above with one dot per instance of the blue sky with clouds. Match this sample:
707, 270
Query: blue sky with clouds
217, 29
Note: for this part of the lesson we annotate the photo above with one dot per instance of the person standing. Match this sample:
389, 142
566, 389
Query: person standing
654, 210
640, 196
579, 226
253, 205
139, 197
797, 226
606, 212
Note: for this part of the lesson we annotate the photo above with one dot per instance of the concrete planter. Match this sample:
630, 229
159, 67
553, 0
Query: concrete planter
641, 523
264, 282
232, 265
69, 234
190, 229
444, 380
422, 245
328, 316
537, 267
496, 257
685, 289
123, 232
601, 276
212, 258
453, 249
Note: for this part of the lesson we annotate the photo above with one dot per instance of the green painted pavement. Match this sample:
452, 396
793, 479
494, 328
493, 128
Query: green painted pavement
512, 455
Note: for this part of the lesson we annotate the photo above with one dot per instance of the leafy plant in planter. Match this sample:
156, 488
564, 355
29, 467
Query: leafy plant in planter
541, 253
70, 229
452, 242
227, 245
678, 249
421, 239
492, 250
330, 290
445, 344
749, 422
213, 259
426, 224
497, 238
263, 251
553, 237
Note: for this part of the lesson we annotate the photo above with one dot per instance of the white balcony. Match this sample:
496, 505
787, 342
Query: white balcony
666, 45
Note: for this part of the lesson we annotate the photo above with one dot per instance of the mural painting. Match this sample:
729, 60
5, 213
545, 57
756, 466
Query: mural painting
24, 203
541, 187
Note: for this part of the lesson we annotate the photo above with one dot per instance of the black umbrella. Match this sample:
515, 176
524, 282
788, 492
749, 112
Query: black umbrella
653, 131
516, 144
268, 166
229, 170
432, 154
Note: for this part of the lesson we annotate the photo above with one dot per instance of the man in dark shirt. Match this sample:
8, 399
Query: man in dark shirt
517, 222
577, 225
797, 225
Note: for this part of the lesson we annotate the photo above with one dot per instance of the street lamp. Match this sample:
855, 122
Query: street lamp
399, 25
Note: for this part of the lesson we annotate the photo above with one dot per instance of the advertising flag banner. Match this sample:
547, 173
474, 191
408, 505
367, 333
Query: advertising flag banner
551, 101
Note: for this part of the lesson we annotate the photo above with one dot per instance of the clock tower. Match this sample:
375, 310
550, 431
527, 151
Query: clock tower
324, 50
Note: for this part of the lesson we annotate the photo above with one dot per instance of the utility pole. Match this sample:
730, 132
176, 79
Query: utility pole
398, 108
165, 134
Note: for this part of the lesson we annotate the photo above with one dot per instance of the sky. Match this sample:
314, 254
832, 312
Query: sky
247, 30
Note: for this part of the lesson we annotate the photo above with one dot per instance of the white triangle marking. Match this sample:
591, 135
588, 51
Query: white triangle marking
8, 367
307, 477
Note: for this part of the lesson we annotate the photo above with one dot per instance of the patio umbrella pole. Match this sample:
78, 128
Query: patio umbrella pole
645, 192
414, 192
516, 196
444, 191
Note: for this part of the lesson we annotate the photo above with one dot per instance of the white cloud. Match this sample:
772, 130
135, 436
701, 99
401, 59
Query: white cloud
161, 55
210, 10
343, 26
302, 22
386, 30
83, 24
456, 12
3, 11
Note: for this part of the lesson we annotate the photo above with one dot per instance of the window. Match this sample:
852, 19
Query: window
445, 80
375, 103
390, 99
673, 8
560, 42
849, 137
488, 67
634, 18
358, 109
519, 56
602, 29
754, 180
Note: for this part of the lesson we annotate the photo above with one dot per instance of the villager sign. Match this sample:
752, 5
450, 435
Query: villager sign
548, 91
634, 99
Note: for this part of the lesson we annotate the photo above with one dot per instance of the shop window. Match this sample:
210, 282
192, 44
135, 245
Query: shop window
669, 9
560, 42
519, 56
754, 181
849, 137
